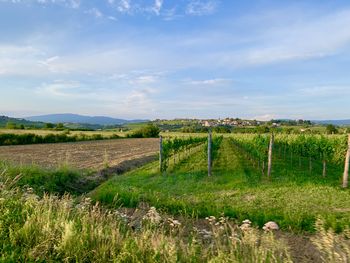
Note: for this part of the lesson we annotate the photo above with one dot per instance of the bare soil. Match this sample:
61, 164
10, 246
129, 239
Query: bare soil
95, 155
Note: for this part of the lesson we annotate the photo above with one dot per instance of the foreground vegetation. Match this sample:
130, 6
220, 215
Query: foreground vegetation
195, 218
294, 198
60, 228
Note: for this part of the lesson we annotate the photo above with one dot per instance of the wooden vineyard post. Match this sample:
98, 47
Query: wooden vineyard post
346, 169
160, 153
269, 168
209, 153
324, 173
310, 164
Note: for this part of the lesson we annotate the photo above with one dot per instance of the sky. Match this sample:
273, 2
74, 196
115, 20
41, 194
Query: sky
152, 59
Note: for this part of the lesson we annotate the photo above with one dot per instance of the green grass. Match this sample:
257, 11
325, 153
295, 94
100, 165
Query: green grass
54, 229
293, 198
51, 228
56, 181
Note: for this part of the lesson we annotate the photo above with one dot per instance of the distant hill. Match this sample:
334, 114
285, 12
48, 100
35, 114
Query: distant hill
334, 122
75, 118
4, 120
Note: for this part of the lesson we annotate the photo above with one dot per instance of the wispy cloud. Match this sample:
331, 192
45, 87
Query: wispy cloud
209, 82
60, 88
122, 6
68, 3
301, 40
201, 7
95, 12
157, 6
240, 63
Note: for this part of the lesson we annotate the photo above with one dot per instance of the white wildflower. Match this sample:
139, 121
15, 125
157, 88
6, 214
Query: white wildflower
269, 226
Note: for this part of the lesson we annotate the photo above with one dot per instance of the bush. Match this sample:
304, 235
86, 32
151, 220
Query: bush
149, 131
49, 126
331, 129
222, 129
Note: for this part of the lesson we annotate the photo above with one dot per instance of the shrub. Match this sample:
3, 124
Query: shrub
149, 131
331, 129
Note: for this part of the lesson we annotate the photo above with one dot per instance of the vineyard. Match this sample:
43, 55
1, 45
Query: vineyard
295, 149
180, 149
287, 178
259, 149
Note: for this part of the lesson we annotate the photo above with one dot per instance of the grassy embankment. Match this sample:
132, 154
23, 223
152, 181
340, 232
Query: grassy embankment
293, 198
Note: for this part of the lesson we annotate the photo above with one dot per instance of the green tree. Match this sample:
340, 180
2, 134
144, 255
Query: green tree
59, 126
149, 131
49, 126
222, 129
331, 129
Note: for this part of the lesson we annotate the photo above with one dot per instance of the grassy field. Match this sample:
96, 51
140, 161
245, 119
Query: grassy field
292, 198
104, 133
93, 155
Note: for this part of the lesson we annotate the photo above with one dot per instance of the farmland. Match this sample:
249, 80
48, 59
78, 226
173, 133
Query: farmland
93, 155
42, 132
184, 214
293, 197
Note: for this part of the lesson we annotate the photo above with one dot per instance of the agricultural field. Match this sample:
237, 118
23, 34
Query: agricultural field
294, 196
93, 155
173, 209
42, 132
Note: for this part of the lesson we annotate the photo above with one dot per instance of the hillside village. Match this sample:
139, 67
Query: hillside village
230, 122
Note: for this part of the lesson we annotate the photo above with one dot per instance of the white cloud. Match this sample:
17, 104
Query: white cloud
49, 63
95, 12
138, 77
59, 88
139, 101
305, 40
68, 3
157, 6
146, 79
123, 6
201, 7
314, 37
20, 59
112, 18
209, 82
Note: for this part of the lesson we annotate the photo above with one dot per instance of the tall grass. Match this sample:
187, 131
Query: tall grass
53, 229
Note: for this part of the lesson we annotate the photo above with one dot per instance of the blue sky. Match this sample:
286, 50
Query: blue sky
167, 59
